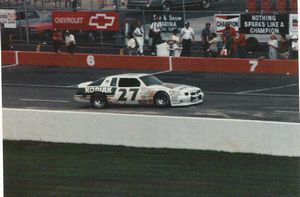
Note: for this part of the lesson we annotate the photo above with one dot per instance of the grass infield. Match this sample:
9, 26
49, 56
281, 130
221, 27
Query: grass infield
54, 170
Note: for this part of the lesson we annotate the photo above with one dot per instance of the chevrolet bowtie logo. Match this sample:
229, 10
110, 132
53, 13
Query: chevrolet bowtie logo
101, 21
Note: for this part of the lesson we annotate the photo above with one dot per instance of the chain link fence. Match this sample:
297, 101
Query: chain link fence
97, 40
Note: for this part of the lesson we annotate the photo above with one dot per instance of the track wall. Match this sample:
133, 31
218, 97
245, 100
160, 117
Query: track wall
272, 138
235, 65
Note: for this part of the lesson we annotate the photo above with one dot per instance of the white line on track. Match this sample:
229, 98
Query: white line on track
266, 89
16, 61
251, 94
166, 71
9, 66
286, 112
41, 100
38, 86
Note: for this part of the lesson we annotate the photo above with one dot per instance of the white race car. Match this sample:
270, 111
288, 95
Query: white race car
137, 89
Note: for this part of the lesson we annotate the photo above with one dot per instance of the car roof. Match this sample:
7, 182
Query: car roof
131, 75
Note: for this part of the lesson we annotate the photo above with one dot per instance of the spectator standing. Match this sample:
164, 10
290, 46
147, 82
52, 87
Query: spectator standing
187, 38
57, 40
205, 34
228, 37
67, 4
294, 47
175, 41
241, 46
156, 28
131, 44
273, 47
74, 4
70, 42
284, 47
138, 34
213, 45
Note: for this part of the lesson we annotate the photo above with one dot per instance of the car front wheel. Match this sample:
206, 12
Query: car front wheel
99, 100
162, 99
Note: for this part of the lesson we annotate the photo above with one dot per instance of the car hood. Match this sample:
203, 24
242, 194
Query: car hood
178, 87
84, 84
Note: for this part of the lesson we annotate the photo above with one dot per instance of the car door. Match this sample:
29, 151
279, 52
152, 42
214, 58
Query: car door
128, 91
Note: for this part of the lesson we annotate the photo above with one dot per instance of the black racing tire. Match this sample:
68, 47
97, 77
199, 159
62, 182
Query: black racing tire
161, 99
167, 6
206, 4
99, 100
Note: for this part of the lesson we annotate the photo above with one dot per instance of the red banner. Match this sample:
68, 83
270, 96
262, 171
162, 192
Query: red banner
293, 5
104, 21
266, 5
251, 5
281, 5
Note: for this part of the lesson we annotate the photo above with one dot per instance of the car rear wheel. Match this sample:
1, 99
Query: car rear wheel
162, 99
99, 100
205, 4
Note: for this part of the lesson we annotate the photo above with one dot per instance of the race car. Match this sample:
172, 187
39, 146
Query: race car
138, 89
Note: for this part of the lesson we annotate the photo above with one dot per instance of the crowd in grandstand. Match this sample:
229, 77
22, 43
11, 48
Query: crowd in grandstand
233, 44
230, 43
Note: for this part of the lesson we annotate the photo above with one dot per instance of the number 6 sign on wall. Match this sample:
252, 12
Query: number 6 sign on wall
90, 60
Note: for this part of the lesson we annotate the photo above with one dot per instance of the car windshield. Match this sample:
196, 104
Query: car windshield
150, 80
47, 19
97, 82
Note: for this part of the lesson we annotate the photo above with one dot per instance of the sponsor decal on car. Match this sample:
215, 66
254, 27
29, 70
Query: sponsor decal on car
92, 89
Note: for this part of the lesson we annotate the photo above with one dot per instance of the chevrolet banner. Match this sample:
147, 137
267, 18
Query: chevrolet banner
103, 21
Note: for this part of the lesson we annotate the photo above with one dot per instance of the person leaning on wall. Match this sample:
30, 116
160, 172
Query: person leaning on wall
273, 47
283, 47
241, 51
213, 45
205, 35
57, 40
70, 42
228, 37
294, 47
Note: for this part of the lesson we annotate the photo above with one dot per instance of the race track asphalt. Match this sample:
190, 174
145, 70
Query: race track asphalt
227, 96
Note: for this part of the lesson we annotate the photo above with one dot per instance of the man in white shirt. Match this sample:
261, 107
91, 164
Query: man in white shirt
187, 37
156, 28
70, 42
273, 47
138, 34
